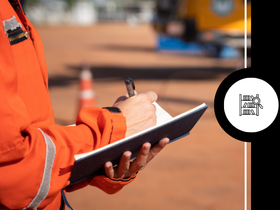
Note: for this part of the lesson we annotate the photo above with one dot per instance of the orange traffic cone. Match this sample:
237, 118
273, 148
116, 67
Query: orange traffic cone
86, 94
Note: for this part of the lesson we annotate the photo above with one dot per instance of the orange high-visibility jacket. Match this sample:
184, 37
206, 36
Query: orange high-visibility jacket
36, 155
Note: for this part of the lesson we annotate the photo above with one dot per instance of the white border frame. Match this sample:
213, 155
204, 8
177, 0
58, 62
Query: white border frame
245, 143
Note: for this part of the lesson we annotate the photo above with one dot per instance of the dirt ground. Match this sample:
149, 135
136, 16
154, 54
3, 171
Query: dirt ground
203, 171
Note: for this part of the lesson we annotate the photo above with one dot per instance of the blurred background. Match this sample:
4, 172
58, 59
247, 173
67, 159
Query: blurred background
182, 50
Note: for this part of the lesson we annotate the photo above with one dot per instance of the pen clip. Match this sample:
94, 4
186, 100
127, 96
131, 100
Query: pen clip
133, 85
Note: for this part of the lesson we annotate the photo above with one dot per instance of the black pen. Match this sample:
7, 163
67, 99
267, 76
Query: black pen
129, 83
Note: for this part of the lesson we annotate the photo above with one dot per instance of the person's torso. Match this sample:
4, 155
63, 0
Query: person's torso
23, 62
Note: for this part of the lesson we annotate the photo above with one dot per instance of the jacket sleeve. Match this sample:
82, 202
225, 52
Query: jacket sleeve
36, 159
36, 162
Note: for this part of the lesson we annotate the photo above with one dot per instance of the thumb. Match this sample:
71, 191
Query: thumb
121, 98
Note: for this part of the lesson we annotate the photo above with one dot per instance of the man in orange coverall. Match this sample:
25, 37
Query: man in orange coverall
36, 155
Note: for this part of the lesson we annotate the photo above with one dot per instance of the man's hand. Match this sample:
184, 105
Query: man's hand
138, 110
126, 168
140, 114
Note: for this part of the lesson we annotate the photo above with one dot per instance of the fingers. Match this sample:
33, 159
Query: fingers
157, 148
121, 170
109, 169
126, 168
123, 98
124, 164
146, 154
151, 95
141, 160
120, 99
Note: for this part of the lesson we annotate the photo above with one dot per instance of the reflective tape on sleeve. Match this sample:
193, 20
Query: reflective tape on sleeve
46, 180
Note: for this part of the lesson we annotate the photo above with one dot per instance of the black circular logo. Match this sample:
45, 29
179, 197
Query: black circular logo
246, 105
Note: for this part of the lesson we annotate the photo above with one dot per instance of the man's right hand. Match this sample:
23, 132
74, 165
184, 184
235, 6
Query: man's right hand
138, 110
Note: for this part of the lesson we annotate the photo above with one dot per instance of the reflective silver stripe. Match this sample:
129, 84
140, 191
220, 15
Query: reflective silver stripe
46, 180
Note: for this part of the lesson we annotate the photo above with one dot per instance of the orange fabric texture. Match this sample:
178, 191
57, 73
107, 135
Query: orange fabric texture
25, 106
